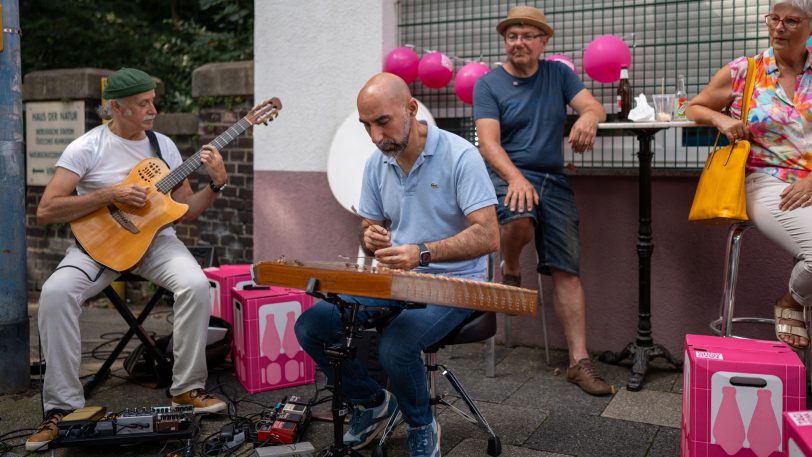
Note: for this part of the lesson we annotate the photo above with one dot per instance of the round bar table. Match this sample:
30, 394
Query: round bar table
643, 349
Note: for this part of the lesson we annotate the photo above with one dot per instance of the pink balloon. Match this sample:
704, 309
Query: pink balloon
563, 59
604, 56
466, 79
435, 70
402, 62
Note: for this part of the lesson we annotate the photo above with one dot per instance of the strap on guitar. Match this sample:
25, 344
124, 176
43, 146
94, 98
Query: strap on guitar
156, 148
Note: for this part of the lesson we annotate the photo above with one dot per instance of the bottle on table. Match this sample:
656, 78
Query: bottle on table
624, 95
680, 99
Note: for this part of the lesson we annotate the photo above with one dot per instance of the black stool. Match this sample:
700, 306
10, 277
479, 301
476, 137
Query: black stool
479, 326
205, 257
162, 360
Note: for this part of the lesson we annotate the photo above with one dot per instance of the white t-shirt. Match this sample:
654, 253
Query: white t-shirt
101, 158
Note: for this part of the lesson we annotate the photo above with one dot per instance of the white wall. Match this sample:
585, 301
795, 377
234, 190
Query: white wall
314, 56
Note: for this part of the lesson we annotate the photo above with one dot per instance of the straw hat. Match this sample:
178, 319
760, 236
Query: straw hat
525, 15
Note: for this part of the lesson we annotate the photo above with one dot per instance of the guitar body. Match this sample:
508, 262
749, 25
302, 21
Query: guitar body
118, 236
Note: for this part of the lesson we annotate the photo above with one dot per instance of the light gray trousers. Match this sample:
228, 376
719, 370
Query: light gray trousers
792, 230
168, 264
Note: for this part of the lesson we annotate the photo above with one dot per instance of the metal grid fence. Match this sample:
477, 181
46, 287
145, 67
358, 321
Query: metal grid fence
666, 38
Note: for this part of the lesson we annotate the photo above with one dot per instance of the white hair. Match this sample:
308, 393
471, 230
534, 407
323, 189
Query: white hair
803, 5
105, 111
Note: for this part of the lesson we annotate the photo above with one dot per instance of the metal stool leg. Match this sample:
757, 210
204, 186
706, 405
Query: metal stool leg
723, 326
543, 322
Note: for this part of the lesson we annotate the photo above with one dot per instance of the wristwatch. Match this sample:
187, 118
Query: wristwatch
215, 188
424, 259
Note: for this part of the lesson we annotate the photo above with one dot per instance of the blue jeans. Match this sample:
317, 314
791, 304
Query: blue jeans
401, 343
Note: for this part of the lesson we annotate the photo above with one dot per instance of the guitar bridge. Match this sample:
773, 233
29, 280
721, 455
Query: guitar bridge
120, 217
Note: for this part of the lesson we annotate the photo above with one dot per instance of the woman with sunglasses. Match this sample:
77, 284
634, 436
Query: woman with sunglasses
779, 127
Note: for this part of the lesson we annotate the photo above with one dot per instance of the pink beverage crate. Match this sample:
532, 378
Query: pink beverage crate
798, 436
266, 353
734, 394
222, 280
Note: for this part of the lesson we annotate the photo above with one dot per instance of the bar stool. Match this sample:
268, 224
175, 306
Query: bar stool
479, 326
508, 338
723, 326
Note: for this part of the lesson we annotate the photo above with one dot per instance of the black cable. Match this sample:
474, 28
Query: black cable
98, 275
41, 377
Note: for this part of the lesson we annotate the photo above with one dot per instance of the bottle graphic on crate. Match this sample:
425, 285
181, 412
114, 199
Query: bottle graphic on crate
680, 99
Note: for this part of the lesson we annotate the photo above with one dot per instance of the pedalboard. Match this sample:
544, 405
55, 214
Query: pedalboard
286, 423
94, 426
303, 449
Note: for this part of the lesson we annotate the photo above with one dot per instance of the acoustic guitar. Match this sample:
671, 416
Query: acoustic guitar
117, 236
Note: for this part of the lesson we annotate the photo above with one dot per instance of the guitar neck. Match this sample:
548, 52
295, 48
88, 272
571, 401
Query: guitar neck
191, 164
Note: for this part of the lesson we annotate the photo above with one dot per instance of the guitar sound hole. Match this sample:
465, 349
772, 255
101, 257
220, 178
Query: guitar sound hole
149, 172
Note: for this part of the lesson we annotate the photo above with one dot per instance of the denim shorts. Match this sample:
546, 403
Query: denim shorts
555, 218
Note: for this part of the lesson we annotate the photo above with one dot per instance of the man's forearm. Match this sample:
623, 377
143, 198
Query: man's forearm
476, 240
496, 157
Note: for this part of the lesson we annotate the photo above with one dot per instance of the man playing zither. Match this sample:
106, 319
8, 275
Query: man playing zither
428, 205
86, 179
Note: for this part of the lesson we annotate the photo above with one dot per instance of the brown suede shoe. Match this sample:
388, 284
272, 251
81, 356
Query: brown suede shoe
47, 431
202, 401
586, 376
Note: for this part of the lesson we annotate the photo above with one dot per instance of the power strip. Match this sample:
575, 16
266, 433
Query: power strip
303, 449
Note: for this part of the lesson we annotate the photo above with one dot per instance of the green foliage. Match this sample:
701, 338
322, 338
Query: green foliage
167, 39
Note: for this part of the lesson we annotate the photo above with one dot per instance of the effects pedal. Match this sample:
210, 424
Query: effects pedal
287, 422
81, 422
134, 420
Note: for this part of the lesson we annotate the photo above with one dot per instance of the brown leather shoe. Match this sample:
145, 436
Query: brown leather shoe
47, 431
586, 376
202, 401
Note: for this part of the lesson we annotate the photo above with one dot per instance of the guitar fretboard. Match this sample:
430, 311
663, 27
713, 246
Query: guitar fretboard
191, 164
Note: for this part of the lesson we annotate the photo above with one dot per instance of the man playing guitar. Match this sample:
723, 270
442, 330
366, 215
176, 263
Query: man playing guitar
89, 176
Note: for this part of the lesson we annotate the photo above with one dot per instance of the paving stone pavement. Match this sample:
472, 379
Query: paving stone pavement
530, 405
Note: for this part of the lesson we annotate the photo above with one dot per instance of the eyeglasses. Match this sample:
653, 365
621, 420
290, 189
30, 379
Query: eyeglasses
512, 38
790, 22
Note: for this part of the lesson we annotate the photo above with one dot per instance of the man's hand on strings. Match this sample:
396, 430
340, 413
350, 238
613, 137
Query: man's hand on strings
376, 237
405, 257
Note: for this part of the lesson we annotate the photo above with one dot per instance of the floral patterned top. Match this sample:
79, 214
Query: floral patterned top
780, 128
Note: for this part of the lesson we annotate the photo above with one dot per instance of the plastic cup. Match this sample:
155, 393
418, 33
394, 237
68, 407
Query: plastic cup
663, 107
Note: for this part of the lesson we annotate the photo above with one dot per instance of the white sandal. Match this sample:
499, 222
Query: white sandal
787, 329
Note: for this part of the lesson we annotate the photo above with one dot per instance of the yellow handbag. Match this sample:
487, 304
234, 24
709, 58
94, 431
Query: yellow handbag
720, 195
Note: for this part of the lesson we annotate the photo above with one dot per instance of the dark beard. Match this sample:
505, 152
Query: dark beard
391, 148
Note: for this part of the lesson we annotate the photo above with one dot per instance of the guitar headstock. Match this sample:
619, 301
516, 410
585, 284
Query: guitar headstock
264, 112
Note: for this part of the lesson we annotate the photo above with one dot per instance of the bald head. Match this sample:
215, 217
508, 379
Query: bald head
385, 86
387, 110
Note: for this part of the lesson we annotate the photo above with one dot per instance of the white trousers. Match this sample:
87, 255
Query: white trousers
792, 230
168, 264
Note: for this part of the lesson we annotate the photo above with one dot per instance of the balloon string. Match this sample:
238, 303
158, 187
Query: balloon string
626, 37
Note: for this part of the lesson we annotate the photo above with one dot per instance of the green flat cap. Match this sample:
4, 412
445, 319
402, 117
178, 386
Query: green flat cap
126, 82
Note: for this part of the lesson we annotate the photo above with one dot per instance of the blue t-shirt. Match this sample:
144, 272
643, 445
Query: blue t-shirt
531, 112
448, 181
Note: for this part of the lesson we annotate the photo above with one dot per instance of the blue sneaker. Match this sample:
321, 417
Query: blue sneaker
367, 423
424, 441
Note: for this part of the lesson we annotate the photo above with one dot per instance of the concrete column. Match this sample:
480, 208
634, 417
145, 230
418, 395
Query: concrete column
14, 332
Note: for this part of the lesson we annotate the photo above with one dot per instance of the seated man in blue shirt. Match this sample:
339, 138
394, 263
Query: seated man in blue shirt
427, 205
